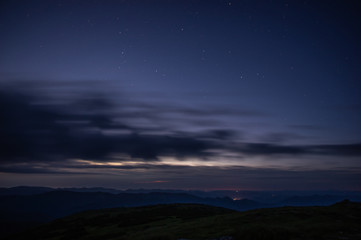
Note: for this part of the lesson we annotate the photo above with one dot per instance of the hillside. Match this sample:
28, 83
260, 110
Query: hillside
191, 221
56, 204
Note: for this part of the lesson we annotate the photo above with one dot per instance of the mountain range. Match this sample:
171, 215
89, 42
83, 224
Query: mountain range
24, 207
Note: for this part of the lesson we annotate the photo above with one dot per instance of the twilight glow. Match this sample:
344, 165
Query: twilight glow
198, 94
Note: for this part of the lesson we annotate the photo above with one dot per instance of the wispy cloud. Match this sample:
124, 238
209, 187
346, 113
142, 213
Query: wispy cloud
39, 129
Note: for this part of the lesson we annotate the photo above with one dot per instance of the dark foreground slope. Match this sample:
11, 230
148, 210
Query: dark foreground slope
190, 221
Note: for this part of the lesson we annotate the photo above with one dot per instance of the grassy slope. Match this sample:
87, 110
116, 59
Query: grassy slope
340, 221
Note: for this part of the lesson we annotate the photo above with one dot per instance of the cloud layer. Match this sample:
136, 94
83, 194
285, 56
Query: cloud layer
94, 128
96, 137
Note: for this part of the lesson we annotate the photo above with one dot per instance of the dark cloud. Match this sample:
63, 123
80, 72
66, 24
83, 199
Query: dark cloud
33, 128
76, 168
56, 131
281, 137
32, 170
269, 149
69, 169
221, 111
336, 149
219, 134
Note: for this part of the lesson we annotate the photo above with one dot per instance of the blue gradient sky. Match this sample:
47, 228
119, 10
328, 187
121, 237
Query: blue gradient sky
181, 94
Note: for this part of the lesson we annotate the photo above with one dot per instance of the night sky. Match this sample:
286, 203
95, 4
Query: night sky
186, 94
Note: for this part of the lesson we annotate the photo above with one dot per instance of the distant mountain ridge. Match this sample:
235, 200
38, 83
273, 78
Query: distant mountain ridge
272, 197
33, 205
50, 205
